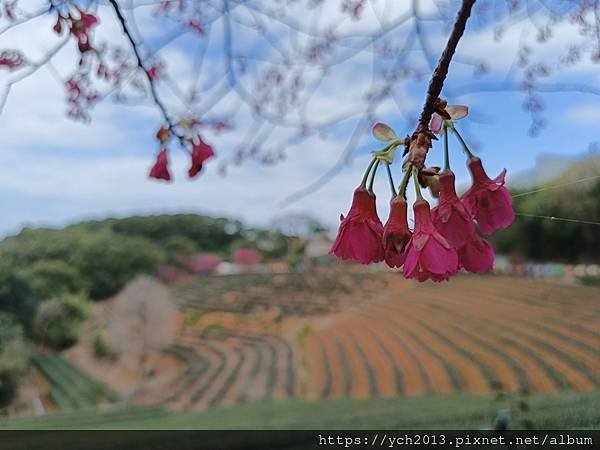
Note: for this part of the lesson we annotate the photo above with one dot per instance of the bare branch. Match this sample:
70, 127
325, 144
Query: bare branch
441, 71
141, 65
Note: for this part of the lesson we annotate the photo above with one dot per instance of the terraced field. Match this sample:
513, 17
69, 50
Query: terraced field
374, 335
300, 294
474, 334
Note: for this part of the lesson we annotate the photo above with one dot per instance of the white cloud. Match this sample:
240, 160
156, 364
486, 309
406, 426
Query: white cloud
584, 114
56, 170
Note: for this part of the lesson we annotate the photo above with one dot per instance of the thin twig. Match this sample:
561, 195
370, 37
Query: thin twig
441, 71
141, 65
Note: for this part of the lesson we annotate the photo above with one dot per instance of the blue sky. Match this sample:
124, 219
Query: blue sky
56, 171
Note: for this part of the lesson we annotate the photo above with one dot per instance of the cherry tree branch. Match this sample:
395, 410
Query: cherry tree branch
141, 65
441, 71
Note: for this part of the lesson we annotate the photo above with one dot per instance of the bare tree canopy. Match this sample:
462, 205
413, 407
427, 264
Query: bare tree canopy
275, 73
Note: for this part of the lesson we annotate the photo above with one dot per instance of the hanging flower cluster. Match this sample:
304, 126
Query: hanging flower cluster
198, 150
444, 239
79, 25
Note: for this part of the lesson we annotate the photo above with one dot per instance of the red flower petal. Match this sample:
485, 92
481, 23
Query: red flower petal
488, 201
201, 152
160, 170
360, 234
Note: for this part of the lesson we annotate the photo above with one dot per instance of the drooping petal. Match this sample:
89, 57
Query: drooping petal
494, 210
384, 132
476, 255
160, 170
396, 233
429, 255
360, 234
411, 262
488, 201
450, 217
456, 230
438, 259
457, 112
435, 124
201, 152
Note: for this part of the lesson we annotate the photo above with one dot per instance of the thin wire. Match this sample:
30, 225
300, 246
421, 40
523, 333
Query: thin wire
556, 186
587, 222
561, 219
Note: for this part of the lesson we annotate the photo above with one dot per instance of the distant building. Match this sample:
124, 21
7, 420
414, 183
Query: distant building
227, 268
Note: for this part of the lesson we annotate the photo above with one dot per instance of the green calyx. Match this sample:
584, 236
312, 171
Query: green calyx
387, 153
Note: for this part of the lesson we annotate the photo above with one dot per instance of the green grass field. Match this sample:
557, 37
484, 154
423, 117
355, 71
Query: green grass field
566, 410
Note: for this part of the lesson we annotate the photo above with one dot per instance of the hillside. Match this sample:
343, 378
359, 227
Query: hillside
572, 195
104, 255
243, 339
49, 276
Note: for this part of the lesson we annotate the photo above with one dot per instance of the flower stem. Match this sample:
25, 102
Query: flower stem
416, 180
446, 155
363, 183
464, 144
404, 183
389, 172
375, 167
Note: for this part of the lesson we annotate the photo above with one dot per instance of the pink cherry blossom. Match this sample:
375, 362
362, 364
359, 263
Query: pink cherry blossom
396, 233
429, 255
456, 112
201, 152
160, 170
476, 255
450, 217
360, 235
488, 201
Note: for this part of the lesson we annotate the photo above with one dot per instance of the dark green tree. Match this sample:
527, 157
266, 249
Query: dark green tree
16, 297
107, 261
13, 356
58, 321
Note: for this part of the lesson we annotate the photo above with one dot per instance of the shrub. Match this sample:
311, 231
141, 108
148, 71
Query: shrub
51, 278
108, 261
13, 356
58, 321
102, 348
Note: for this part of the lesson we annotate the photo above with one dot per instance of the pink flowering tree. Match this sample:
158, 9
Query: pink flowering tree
262, 63
247, 256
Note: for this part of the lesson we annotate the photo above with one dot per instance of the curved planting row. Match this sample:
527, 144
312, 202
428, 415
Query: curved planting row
227, 368
474, 335
578, 363
306, 294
